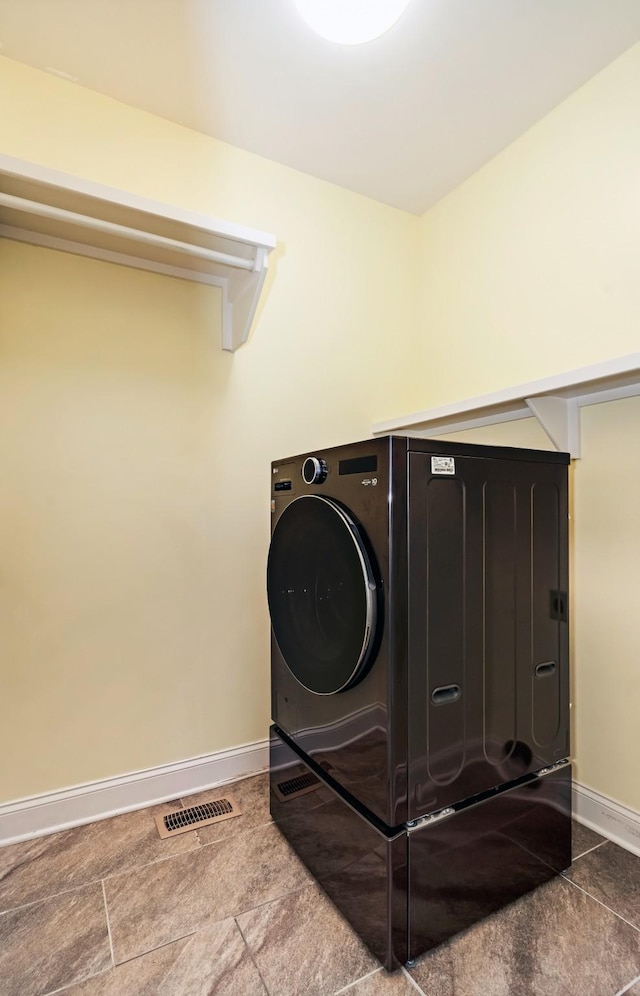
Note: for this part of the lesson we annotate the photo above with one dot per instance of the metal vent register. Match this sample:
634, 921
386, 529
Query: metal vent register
224, 808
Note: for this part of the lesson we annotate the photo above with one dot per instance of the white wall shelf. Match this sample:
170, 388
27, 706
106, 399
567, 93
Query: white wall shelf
47, 208
555, 401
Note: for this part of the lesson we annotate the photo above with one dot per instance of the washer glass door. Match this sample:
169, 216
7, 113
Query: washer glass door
322, 594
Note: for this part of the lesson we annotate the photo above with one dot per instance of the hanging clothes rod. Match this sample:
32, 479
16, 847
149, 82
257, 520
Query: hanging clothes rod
132, 234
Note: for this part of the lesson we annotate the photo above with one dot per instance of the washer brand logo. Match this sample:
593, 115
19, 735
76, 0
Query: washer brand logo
369, 480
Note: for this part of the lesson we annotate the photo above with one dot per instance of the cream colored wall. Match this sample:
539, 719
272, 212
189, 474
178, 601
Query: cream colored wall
528, 269
606, 586
135, 511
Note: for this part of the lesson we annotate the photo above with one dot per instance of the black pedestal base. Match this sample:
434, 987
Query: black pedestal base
406, 891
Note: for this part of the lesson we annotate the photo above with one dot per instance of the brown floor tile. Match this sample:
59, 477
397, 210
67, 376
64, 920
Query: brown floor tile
47, 866
301, 944
382, 983
213, 961
611, 875
583, 839
554, 942
53, 943
167, 900
251, 794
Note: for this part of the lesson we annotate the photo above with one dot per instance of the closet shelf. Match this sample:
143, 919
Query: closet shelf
555, 401
47, 208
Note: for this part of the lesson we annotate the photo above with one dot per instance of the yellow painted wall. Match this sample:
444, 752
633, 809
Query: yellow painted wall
134, 511
530, 268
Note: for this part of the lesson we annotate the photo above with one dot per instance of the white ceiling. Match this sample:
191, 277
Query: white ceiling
402, 119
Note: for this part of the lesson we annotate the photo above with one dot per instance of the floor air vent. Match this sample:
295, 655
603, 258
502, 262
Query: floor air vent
294, 787
224, 808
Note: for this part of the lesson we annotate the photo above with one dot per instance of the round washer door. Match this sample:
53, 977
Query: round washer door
322, 594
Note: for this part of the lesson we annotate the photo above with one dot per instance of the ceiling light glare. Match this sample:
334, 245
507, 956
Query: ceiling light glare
351, 22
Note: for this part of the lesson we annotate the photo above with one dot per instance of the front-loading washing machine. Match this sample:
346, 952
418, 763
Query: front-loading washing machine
419, 747
418, 598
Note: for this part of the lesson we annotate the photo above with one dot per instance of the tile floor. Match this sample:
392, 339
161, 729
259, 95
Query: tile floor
109, 909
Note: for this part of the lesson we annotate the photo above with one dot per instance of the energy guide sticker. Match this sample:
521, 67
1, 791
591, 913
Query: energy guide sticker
443, 465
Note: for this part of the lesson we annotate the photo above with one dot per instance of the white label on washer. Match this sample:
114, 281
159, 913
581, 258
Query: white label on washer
443, 465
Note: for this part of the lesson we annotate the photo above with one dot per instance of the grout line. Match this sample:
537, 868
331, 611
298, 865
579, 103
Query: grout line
222, 840
255, 963
599, 901
46, 899
158, 947
413, 981
589, 850
148, 864
355, 982
626, 988
76, 982
167, 944
106, 911
292, 892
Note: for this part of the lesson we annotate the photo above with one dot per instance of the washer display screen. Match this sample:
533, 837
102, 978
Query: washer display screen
322, 594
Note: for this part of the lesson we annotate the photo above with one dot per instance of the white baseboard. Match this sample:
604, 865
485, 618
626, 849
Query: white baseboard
54, 811
619, 823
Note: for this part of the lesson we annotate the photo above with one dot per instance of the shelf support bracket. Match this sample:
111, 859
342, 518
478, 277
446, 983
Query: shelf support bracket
240, 296
560, 419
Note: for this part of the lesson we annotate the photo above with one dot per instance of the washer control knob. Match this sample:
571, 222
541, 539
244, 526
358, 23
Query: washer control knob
314, 471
